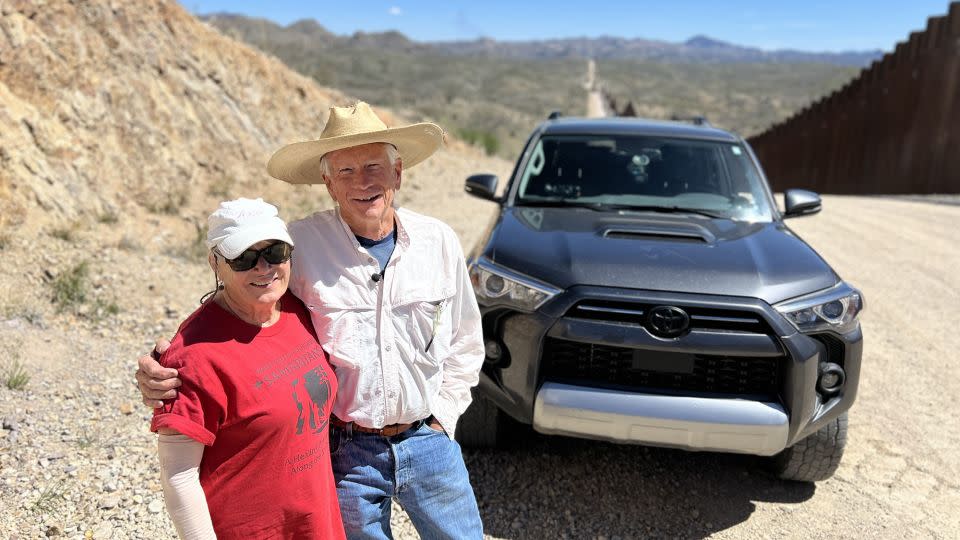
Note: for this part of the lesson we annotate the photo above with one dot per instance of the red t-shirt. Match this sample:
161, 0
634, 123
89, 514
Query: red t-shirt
260, 400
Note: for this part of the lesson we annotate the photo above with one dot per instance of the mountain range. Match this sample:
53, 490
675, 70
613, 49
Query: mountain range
699, 48
493, 93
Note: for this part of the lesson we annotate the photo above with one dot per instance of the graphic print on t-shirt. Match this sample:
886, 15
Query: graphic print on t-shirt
310, 391
313, 389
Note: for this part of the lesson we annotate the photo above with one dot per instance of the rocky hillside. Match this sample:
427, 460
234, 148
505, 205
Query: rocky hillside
119, 109
120, 119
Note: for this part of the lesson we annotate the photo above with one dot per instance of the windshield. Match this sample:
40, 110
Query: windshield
644, 173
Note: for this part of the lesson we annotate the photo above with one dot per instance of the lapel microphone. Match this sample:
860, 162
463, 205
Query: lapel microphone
377, 276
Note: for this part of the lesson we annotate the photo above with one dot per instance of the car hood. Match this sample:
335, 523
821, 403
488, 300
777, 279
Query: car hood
653, 251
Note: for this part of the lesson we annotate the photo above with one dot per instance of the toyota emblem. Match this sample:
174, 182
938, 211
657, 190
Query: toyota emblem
668, 321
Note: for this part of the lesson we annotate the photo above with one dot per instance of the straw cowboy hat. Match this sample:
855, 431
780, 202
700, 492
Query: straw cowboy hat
299, 163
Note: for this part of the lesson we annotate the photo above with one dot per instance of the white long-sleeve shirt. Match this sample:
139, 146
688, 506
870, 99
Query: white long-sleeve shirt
377, 332
183, 495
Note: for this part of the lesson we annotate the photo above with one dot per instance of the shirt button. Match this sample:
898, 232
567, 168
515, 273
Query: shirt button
388, 347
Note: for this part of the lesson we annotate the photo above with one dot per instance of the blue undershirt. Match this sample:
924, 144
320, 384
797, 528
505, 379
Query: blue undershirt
381, 250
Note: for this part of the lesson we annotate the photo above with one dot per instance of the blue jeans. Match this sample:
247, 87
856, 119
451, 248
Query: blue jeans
421, 467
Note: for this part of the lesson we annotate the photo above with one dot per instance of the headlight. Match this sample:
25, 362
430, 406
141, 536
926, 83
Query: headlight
495, 285
836, 309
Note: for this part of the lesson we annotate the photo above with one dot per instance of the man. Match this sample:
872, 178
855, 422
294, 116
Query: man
391, 302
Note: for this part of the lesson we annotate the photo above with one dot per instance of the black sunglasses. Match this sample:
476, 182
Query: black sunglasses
274, 254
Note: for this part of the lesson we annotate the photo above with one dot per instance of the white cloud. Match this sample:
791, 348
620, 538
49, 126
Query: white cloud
395, 11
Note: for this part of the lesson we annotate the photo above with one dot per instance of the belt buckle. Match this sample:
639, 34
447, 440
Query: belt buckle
390, 431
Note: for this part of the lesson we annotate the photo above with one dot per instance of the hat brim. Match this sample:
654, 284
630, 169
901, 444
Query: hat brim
299, 163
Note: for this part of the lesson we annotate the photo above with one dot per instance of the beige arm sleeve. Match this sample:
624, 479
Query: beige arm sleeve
180, 476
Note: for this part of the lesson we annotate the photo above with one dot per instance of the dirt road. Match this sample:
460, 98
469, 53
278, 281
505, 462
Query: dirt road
595, 105
900, 476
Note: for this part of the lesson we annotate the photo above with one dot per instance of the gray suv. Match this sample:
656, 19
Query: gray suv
639, 285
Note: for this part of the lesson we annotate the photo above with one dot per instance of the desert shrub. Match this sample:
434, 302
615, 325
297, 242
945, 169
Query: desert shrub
50, 499
101, 309
70, 288
67, 233
484, 139
168, 202
196, 249
221, 187
14, 374
129, 243
71, 292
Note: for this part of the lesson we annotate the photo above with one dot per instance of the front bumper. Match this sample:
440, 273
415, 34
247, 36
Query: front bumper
691, 423
619, 407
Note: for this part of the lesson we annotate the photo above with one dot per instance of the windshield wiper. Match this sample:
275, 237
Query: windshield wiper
675, 210
604, 207
557, 203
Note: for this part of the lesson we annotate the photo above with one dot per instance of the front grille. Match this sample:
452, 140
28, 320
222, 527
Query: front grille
605, 366
700, 318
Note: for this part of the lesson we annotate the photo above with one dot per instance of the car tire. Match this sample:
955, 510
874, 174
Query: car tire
482, 425
816, 457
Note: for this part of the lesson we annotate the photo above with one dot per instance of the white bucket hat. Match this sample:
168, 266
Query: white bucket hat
237, 225
299, 163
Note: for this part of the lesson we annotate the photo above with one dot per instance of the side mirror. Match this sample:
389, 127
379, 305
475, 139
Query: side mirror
483, 186
800, 202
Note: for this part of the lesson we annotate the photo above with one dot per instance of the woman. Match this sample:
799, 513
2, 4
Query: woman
244, 448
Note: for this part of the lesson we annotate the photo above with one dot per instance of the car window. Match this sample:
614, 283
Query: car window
718, 177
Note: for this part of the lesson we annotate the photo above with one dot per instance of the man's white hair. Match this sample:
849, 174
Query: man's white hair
392, 155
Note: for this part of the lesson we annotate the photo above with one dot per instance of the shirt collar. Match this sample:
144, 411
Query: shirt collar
403, 238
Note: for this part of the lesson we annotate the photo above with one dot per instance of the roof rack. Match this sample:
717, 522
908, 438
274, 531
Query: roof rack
697, 120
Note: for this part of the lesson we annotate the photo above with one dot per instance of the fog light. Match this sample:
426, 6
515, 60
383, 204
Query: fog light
831, 379
493, 350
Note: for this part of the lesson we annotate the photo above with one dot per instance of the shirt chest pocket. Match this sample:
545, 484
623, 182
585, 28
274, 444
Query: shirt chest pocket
348, 334
429, 326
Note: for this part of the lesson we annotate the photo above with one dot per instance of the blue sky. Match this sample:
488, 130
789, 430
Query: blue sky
814, 25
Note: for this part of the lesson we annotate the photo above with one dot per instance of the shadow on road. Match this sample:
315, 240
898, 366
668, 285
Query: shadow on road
557, 487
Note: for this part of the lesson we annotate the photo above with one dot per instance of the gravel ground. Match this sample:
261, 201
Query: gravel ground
77, 460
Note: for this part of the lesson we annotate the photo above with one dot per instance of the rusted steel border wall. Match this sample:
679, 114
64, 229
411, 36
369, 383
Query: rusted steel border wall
893, 129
